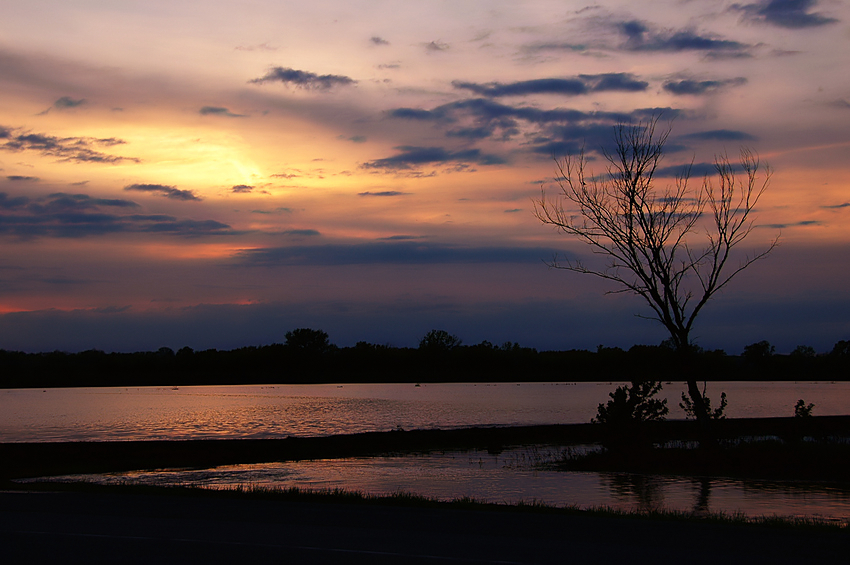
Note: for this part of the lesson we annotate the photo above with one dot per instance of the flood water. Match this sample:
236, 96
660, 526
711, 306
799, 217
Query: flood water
512, 476
268, 411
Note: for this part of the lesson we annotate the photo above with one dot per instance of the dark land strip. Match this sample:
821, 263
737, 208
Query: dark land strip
19, 460
124, 526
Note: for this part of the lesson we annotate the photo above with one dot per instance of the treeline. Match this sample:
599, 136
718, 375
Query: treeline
307, 356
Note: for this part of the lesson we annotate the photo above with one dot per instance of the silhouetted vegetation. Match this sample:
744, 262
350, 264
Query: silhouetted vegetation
670, 245
308, 356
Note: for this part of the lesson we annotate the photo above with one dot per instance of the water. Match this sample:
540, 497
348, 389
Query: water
108, 414
512, 476
274, 411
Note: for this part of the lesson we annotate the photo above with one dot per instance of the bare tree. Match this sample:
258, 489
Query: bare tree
672, 246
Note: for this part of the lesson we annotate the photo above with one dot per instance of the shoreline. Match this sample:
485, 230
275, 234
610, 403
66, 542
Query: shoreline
26, 460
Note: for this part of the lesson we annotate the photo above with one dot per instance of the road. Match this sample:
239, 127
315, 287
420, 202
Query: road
128, 528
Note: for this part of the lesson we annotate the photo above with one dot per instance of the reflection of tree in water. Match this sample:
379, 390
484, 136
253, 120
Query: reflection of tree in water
702, 485
644, 490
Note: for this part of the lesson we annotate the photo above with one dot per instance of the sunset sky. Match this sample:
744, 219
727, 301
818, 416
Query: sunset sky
214, 174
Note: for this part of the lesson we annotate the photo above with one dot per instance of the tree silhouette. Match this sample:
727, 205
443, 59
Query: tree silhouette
671, 246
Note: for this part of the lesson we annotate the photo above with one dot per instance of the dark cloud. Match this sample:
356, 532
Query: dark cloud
582, 84
401, 238
558, 131
301, 233
73, 149
790, 14
436, 46
16, 178
64, 202
570, 87
80, 215
412, 156
164, 190
687, 86
282, 210
304, 79
64, 103
400, 251
184, 227
242, 189
378, 40
68, 102
383, 193
7, 203
840, 103
218, 111
830, 207
720, 135
702, 169
640, 36
354, 138
790, 225
513, 210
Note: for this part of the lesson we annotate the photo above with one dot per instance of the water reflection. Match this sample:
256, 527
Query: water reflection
512, 476
108, 414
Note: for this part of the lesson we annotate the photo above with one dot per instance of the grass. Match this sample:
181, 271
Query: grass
770, 459
407, 499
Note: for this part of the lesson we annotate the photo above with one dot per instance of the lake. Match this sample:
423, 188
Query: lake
108, 414
272, 411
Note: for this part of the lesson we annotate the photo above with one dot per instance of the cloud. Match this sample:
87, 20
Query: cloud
21, 178
73, 149
696, 87
556, 132
640, 36
411, 156
720, 135
840, 103
65, 215
281, 210
401, 238
383, 193
354, 138
242, 189
68, 102
436, 46
695, 169
64, 103
582, 84
378, 40
396, 251
7, 203
164, 190
789, 14
301, 233
304, 79
512, 210
791, 225
837, 206
64, 202
218, 111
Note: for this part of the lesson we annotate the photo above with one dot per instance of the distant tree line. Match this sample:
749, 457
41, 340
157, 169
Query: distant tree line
307, 356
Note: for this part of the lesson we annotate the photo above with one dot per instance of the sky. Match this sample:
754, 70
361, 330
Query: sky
215, 174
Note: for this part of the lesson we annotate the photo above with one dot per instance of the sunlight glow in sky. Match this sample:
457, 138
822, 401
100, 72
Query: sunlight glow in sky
214, 174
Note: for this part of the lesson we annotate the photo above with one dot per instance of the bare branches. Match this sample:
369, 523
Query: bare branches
653, 237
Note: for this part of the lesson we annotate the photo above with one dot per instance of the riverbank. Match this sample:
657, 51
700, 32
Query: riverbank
20, 460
